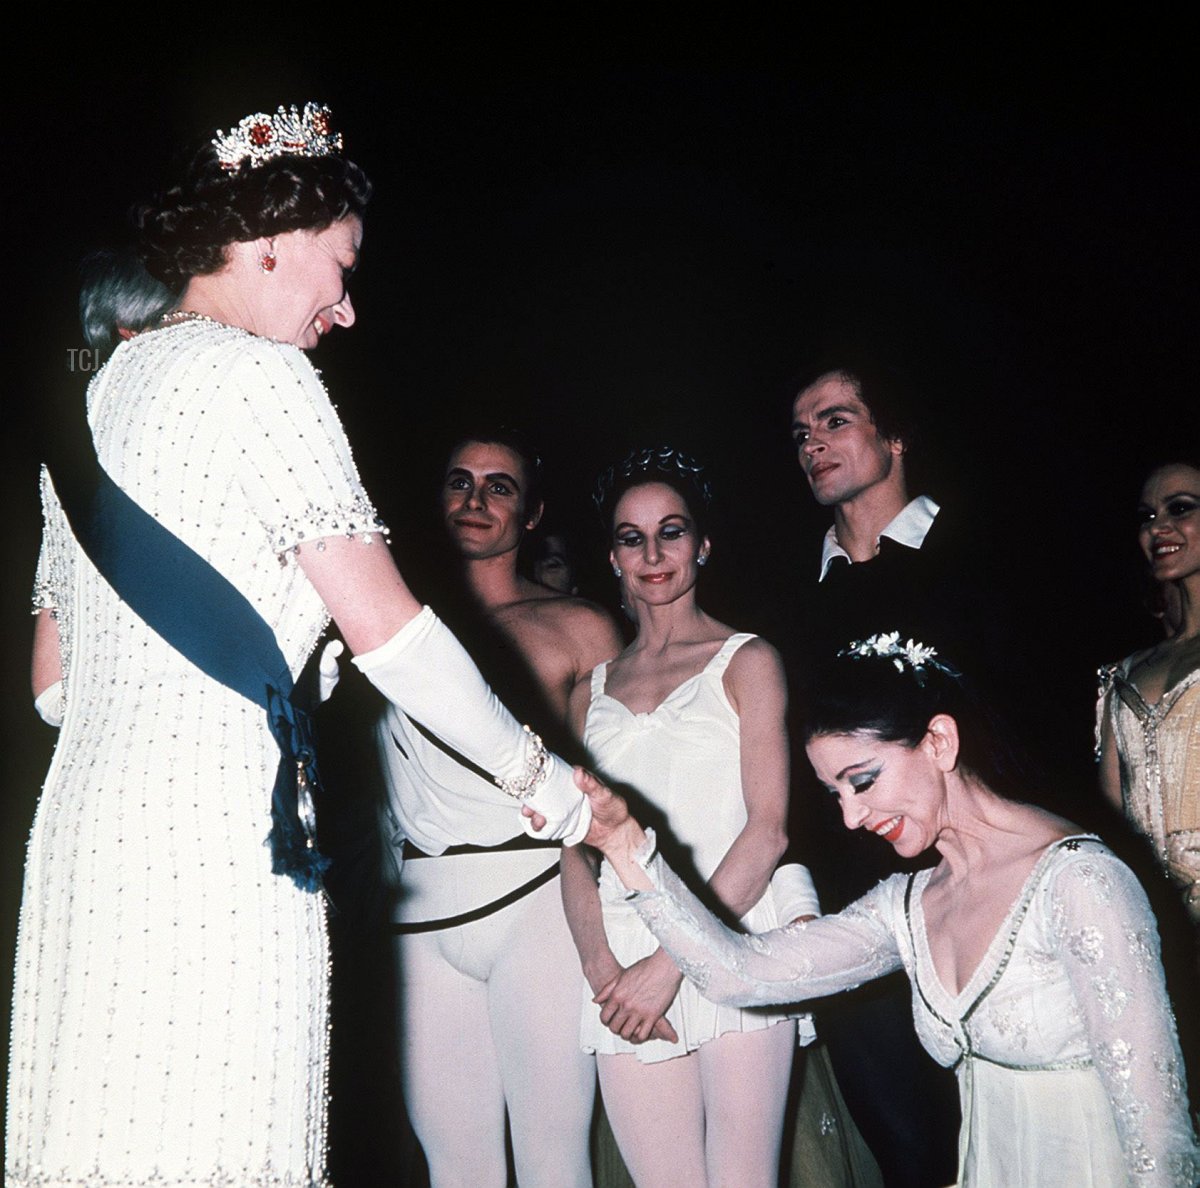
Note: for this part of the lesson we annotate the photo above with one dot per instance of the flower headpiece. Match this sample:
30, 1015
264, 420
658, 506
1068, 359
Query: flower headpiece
647, 464
912, 655
290, 132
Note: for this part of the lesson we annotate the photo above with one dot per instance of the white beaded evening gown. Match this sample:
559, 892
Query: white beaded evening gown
170, 1015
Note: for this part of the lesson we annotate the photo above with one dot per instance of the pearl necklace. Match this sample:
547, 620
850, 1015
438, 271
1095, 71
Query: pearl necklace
178, 317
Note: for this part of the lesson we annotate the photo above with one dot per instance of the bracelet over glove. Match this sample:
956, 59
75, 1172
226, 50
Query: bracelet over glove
425, 672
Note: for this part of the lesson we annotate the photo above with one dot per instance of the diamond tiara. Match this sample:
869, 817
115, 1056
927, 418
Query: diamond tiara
290, 132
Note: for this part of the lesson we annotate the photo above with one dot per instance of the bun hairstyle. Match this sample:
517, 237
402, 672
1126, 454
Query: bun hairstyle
185, 231
656, 464
890, 691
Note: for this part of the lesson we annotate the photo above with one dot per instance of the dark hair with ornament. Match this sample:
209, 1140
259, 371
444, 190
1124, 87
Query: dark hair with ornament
655, 464
251, 183
889, 689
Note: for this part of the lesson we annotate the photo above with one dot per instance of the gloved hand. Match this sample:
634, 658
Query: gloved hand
424, 671
328, 673
51, 705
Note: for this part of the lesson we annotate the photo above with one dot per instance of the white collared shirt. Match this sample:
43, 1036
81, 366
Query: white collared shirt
909, 527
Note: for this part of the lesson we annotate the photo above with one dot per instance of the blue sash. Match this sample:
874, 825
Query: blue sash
205, 618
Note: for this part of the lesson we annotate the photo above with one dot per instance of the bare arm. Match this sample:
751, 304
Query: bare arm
1110, 762
755, 683
581, 902
362, 589
581, 895
47, 653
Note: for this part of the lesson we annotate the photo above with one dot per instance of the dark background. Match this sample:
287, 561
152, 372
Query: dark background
625, 235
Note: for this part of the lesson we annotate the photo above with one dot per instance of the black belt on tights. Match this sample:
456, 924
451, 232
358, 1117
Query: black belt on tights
520, 842
486, 909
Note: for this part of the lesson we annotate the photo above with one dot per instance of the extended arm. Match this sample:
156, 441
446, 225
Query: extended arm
787, 964
417, 663
1108, 944
293, 463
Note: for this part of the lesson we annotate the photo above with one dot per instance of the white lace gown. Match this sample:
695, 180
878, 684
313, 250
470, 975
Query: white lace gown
1063, 1041
170, 1018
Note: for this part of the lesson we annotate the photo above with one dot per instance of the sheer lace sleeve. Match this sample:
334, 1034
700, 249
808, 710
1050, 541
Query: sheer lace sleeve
1108, 944
788, 964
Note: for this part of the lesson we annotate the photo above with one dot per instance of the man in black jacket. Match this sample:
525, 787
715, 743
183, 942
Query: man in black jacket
888, 563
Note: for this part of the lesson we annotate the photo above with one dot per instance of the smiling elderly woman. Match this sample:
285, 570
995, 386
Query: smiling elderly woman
170, 1008
1031, 948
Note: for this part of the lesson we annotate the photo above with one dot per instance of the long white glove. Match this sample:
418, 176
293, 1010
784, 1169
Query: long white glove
424, 671
51, 705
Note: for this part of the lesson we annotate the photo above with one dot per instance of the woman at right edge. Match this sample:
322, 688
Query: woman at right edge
1148, 727
1031, 948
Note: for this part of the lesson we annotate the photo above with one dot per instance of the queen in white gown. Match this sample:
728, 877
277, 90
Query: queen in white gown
1031, 948
170, 1014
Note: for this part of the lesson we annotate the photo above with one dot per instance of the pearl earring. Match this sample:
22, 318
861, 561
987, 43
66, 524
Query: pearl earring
616, 571
702, 559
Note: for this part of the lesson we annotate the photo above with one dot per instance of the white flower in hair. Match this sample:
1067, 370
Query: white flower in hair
911, 654
918, 654
885, 645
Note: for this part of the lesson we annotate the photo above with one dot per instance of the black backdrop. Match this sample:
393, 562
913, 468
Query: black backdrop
629, 235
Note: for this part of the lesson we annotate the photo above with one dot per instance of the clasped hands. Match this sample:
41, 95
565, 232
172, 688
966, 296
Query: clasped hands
634, 999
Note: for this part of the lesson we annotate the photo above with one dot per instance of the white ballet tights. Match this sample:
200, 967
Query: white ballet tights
489, 1019
711, 1119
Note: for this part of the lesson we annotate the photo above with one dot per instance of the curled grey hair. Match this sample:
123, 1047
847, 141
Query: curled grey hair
117, 293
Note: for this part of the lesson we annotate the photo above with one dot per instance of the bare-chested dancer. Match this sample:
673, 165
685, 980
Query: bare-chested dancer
488, 973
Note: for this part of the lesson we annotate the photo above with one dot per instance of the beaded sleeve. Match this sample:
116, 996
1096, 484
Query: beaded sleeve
45, 588
303, 484
53, 581
1108, 944
788, 964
